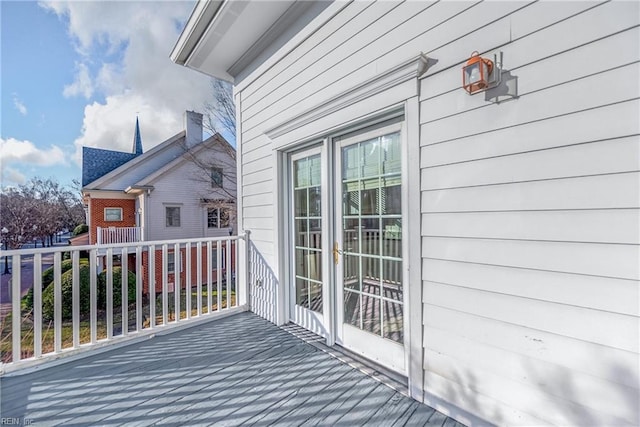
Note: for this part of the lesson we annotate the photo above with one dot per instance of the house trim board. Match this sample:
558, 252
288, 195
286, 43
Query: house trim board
414, 350
407, 70
108, 194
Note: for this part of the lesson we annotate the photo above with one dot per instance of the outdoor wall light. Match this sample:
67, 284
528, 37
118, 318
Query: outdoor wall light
476, 74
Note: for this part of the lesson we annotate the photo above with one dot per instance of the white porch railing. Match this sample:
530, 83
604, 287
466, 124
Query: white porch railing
161, 284
109, 235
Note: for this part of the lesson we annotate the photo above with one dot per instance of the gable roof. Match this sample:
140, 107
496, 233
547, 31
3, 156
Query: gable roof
97, 162
130, 172
212, 141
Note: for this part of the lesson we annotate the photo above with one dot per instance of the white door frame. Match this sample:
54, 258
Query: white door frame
409, 108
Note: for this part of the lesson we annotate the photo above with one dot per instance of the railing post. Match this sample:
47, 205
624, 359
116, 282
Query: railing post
99, 235
246, 287
16, 324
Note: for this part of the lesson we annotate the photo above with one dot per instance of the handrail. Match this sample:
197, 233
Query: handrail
169, 274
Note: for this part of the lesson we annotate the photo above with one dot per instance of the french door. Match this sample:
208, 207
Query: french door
347, 273
368, 246
307, 294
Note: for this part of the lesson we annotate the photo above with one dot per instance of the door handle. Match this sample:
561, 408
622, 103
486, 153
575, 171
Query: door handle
336, 252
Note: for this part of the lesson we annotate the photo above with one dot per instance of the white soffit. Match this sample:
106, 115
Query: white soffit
236, 27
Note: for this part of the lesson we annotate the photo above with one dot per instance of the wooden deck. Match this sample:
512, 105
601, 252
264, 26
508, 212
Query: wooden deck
239, 370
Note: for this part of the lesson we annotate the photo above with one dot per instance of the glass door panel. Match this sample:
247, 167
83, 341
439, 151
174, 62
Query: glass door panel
307, 232
371, 236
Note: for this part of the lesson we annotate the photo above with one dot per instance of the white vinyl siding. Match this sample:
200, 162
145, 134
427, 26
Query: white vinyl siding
530, 207
531, 225
169, 189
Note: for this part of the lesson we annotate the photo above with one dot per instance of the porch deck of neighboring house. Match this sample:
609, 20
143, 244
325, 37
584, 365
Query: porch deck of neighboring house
237, 370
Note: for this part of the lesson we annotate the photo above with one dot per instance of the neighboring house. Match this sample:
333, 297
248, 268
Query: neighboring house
488, 251
182, 188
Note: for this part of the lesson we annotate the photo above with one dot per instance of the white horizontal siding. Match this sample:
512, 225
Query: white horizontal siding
531, 220
618, 226
557, 410
612, 191
597, 158
599, 327
607, 260
599, 293
555, 131
185, 186
576, 95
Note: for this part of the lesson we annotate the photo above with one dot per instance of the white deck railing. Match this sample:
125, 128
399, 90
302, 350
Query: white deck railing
108, 235
174, 282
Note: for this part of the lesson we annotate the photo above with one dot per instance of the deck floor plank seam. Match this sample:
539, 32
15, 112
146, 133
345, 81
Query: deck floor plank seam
236, 370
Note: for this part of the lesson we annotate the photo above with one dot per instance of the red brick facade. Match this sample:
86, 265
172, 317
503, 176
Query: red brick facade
96, 209
183, 277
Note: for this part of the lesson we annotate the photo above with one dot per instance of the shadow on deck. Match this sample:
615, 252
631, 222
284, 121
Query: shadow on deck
239, 370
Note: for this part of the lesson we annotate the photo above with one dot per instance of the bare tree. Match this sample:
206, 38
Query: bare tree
215, 173
38, 210
220, 113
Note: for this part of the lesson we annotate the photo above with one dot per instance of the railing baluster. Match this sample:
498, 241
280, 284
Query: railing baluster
69, 314
37, 305
187, 279
138, 288
199, 277
109, 293
57, 303
177, 286
16, 321
209, 286
93, 294
151, 252
247, 266
228, 272
75, 297
219, 274
165, 280
124, 290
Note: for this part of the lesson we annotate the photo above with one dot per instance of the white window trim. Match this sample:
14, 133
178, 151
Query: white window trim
113, 220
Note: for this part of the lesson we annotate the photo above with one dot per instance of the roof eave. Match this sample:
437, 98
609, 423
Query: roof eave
197, 24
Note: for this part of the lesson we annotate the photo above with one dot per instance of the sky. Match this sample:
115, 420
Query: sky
77, 73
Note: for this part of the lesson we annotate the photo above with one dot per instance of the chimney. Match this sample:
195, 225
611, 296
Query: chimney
193, 128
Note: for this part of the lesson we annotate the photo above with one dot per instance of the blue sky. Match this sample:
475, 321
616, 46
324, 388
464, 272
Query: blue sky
77, 73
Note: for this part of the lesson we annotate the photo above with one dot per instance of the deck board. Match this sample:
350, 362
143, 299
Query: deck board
239, 370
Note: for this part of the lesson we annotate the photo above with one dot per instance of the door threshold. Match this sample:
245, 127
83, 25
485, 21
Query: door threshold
392, 379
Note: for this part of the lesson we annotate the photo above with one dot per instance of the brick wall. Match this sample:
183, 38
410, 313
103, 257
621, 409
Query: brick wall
194, 266
97, 207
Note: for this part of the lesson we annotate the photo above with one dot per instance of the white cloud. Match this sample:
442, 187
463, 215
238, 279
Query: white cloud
27, 155
131, 41
25, 152
11, 176
22, 109
112, 125
82, 84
